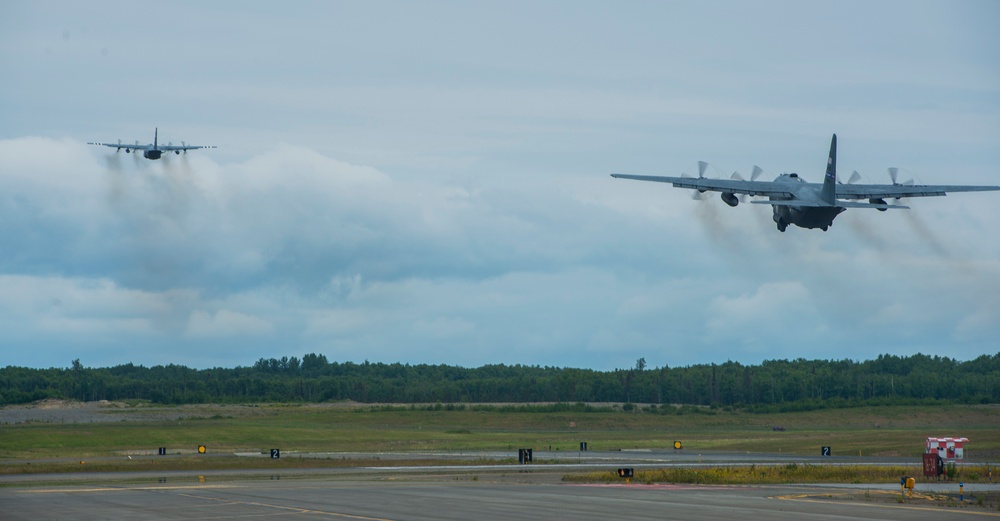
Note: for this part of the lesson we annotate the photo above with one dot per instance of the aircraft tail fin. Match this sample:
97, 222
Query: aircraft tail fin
829, 193
156, 131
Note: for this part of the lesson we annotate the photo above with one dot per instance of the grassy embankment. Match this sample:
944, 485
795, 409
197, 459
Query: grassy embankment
869, 431
778, 474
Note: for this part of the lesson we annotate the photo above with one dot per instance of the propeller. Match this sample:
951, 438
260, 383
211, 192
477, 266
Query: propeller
754, 174
698, 195
894, 174
737, 177
119, 149
855, 177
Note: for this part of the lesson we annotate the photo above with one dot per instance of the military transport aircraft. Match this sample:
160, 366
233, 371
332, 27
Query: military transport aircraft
153, 151
809, 205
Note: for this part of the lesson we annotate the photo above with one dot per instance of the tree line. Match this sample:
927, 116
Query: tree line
774, 385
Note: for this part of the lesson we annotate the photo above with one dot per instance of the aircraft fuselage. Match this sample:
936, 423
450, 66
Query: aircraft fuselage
152, 154
804, 217
809, 217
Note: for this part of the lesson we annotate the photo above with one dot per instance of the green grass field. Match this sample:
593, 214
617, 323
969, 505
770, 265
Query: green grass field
773, 474
868, 431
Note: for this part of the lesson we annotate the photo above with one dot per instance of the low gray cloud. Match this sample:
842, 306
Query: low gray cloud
430, 183
291, 251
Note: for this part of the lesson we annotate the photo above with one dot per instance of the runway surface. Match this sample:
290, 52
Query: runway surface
437, 495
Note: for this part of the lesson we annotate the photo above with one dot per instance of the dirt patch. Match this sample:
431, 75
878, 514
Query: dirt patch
103, 411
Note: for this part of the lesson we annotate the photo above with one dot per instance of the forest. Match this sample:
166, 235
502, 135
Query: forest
774, 385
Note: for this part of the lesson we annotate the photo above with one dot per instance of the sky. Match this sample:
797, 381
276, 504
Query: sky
428, 182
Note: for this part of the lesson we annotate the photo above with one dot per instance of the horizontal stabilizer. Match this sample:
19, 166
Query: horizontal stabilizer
840, 204
855, 204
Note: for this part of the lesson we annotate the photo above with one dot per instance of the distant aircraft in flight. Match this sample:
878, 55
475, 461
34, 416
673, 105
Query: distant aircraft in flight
809, 205
153, 151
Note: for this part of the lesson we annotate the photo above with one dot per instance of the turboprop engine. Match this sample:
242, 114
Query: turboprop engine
878, 201
730, 198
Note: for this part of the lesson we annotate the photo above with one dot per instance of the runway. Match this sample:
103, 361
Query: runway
436, 495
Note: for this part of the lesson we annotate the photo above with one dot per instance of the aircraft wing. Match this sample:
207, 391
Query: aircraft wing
171, 148
129, 146
702, 184
850, 191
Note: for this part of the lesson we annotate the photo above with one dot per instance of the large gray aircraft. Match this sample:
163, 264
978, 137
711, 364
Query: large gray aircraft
809, 205
153, 151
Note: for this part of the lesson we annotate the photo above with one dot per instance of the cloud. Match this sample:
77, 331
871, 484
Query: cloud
226, 323
444, 327
774, 310
292, 250
339, 323
978, 324
412, 200
25, 297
